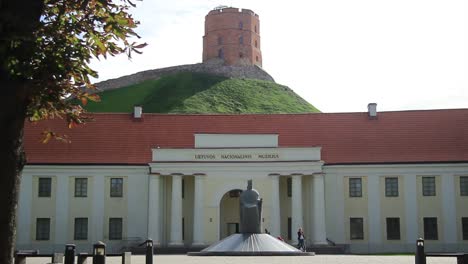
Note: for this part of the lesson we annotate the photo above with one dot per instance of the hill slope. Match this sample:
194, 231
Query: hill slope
198, 93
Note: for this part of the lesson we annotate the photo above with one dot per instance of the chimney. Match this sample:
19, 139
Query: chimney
372, 110
137, 111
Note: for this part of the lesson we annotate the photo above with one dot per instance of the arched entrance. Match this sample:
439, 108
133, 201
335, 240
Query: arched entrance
229, 213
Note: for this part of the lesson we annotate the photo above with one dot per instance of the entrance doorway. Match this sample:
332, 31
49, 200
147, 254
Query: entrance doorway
229, 213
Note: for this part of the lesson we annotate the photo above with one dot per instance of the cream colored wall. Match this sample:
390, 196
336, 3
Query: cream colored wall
356, 207
392, 207
461, 203
115, 206
430, 206
79, 207
43, 207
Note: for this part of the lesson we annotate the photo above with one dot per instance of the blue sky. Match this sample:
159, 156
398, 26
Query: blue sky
339, 55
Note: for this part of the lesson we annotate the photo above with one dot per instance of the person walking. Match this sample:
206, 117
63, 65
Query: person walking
301, 239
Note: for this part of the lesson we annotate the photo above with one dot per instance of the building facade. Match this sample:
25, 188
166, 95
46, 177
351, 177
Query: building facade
372, 182
232, 35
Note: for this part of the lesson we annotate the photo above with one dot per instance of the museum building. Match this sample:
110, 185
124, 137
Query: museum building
370, 181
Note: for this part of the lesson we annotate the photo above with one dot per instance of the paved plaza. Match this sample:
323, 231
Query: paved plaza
319, 259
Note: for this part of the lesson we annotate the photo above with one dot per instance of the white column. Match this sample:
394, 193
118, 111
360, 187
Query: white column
275, 229
61, 210
154, 205
374, 214
319, 232
449, 219
296, 206
198, 212
176, 211
24, 211
97, 224
411, 209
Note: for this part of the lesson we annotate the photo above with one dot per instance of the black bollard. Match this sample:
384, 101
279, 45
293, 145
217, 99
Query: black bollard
99, 253
149, 251
70, 254
420, 256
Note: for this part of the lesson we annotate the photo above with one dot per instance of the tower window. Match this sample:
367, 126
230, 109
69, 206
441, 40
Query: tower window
256, 57
241, 25
255, 43
220, 40
241, 40
255, 28
221, 54
241, 55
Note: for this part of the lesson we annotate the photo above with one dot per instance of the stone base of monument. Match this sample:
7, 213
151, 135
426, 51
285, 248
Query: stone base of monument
250, 245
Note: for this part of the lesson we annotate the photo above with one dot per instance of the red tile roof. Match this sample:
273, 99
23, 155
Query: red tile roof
394, 137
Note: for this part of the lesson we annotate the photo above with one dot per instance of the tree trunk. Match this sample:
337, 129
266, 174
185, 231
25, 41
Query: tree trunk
12, 161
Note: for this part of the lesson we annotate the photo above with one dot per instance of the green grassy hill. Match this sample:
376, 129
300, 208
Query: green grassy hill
197, 93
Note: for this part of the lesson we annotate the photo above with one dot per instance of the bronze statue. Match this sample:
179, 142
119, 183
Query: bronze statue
250, 210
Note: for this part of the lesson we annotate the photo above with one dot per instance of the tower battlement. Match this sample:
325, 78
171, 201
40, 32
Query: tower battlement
232, 35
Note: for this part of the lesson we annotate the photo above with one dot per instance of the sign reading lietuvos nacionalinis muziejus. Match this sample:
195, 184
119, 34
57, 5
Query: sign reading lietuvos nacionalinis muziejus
237, 154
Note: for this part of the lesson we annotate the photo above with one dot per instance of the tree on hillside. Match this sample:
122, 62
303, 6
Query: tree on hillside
45, 50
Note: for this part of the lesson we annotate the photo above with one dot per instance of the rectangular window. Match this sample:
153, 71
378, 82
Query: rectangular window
81, 229
428, 186
391, 187
116, 188
289, 228
115, 228
355, 187
356, 225
81, 187
430, 228
393, 228
464, 185
289, 186
465, 228
42, 228
45, 187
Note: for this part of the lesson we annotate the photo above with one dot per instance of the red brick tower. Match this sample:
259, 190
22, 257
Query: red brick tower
233, 35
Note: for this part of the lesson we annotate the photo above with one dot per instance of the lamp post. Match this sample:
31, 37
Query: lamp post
99, 253
70, 253
149, 251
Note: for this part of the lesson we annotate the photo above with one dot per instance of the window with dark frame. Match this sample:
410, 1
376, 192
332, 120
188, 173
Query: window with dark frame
391, 187
465, 228
115, 228
464, 185
81, 228
393, 228
356, 228
81, 187
116, 187
42, 228
355, 187
430, 228
289, 228
428, 186
45, 187
289, 186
